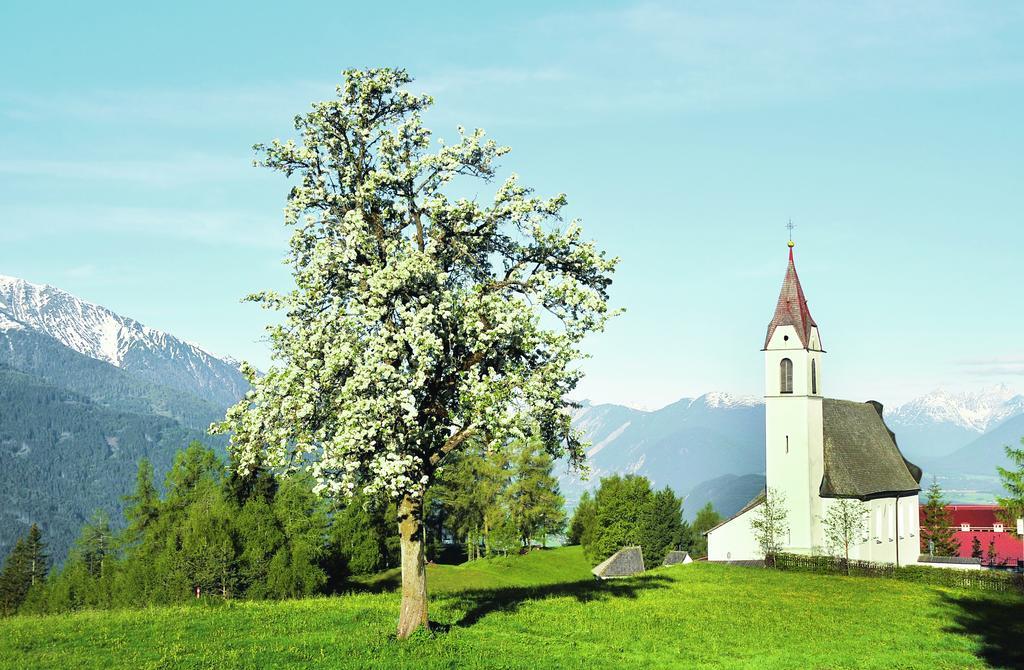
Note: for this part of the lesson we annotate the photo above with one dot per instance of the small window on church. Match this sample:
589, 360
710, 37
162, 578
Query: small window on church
814, 377
786, 376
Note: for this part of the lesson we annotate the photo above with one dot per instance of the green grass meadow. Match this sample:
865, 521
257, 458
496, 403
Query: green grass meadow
544, 610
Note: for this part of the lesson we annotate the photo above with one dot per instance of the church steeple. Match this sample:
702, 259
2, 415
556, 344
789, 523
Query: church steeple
791, 309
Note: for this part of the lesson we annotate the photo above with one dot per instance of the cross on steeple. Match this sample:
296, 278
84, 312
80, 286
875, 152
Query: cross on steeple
790, 227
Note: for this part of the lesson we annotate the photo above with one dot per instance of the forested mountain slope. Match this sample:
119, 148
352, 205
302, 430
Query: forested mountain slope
62, 456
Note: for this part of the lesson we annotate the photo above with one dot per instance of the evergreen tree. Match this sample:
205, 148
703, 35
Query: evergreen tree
143, 506
992, 554
24, 567
205, 542
976, 548
1012, 505
504, 536
533, 498
88, 575
937, 534
295, 570
36, 556
13, 585
706, 519
96, 545
192, 466
360, 531
581, 528
621, 503
15, 580
472, 489
257, 482
663, 527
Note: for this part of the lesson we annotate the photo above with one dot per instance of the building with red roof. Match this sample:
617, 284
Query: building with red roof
982, 522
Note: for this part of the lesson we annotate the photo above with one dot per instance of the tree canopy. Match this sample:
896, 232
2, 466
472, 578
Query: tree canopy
625, 511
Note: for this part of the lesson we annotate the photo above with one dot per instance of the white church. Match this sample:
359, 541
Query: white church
818, 450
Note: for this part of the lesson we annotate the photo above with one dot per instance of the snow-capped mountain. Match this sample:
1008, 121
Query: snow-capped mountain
935, 425
681, 445
99, 333
978, 412
711, 448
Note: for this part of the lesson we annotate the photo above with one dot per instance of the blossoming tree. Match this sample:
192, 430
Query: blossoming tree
419, 321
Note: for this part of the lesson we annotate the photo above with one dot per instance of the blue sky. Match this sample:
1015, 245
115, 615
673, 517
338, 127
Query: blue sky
685, 136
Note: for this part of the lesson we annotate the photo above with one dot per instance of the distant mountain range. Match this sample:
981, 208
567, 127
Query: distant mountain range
711, 448
939, 423
84, 394
683, 445
102, 335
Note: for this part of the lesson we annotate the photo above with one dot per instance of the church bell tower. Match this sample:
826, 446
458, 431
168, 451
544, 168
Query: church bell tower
793, 412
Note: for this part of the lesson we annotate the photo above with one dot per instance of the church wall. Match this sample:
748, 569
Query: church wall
881, 537
734, 540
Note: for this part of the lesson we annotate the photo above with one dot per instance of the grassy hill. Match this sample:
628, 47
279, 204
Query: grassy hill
544, 610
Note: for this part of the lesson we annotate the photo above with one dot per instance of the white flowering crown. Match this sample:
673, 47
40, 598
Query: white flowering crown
418, 320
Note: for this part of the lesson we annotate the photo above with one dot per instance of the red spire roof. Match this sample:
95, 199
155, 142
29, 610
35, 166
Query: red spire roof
792, 308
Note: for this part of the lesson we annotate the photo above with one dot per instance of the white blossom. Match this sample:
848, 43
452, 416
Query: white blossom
415, 319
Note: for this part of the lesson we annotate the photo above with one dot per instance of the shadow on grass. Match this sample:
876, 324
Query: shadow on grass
997, 624
391, 581
479, 603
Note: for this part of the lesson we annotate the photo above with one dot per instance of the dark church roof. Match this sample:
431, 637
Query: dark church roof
861, 457
792, 308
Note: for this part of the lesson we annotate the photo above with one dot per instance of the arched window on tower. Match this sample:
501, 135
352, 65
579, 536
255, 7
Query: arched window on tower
786, 376
814, 377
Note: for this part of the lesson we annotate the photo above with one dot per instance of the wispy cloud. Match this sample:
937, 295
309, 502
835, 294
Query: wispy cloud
86, 271
994, 367
188, 107
710, 56
209, 226
175, 170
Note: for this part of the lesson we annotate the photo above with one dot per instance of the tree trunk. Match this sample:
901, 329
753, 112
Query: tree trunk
414, 569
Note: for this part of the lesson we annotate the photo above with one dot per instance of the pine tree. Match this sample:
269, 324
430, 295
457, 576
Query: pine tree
706, 519
976, 548
621, 504
581, 528
35, 556
937, 534
993, 555
1013, 482
258, 482
534, 501
143, 506
14, 582
663, 527
472, 488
